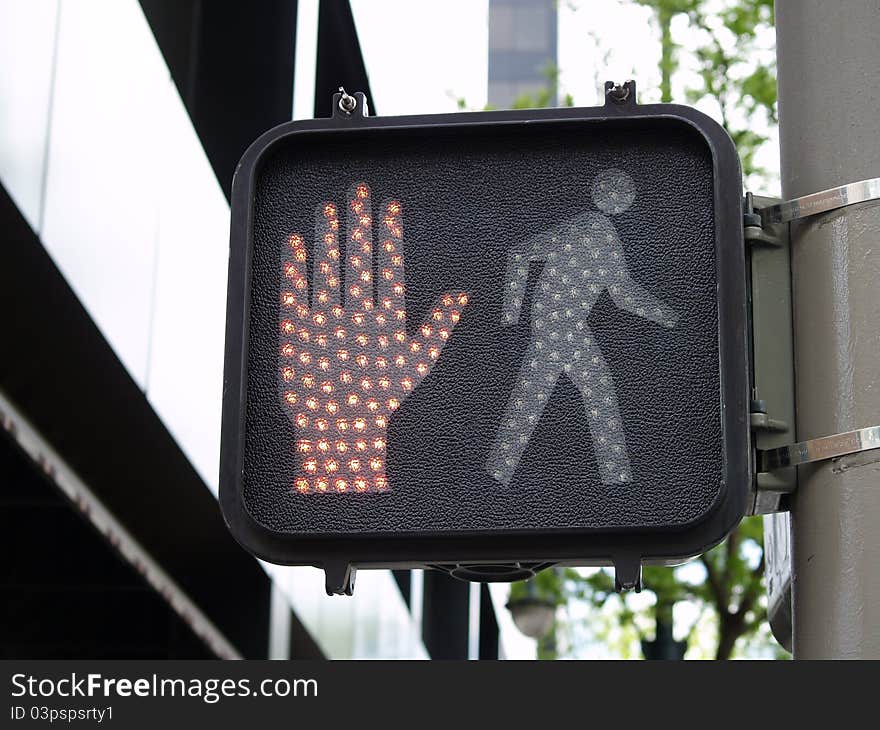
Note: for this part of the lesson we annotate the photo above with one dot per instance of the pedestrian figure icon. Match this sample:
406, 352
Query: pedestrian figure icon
581, 257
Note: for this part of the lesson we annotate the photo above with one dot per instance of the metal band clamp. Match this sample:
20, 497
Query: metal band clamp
820, 449
821, 202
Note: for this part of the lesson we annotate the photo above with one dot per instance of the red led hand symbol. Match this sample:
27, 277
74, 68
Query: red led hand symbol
345, 370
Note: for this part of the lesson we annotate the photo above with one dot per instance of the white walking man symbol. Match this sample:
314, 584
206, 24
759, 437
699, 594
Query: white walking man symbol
582, 257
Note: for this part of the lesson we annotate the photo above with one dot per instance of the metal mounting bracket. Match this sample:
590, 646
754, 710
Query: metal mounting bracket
766, 224
771, 413
821, 202
820, 449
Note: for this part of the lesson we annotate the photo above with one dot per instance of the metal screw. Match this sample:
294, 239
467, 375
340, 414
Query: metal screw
347, 103
619, 93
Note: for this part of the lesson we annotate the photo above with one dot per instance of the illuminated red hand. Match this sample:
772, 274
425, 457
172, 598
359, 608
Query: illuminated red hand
346, 367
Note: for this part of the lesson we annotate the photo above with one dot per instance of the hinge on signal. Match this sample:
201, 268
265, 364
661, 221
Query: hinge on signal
772, 409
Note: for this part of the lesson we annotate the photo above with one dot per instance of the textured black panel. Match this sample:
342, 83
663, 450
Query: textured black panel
469, 197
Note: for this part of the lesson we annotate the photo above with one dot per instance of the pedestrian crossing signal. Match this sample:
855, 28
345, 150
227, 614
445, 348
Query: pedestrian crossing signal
487, 342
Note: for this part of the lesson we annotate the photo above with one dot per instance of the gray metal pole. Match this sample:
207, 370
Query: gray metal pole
829, 119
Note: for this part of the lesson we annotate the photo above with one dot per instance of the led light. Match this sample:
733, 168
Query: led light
381, 483
323, 297
462, 299
337, 312
434, 352
422, 369
400, 336
387, 274
352, 399
362, 191
288, 299
312, 403
359, 424
302, 311
393, 207
295, 240
366, 247
455, 315
387, 304
384, 383
397, 260
290, 397
342, 355
381, 421
443, 334
310, 465
415, 346
288, 373
406, 383
379, 444
323, 446
398, 289
321, 484
329, 210
357, 234
341, 446
332, 282
354, 464
372, 406
381, 363
383, 341
321, 340
341, 424
304, 446
393, 404
365, 220
400, 361
426, 331
366, 277
360, 484
288, 350
341, 485
362, 360
323, 364
327, 387
332, 407
437, 314
288, 327
319, 319
366, 384
381, 319
357, 206
400, 314
388, 246
321, 424
376, 463
333, 254
355, 291
302, 485
358, 317
360, 445
447, 300
345, 377
302, 420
